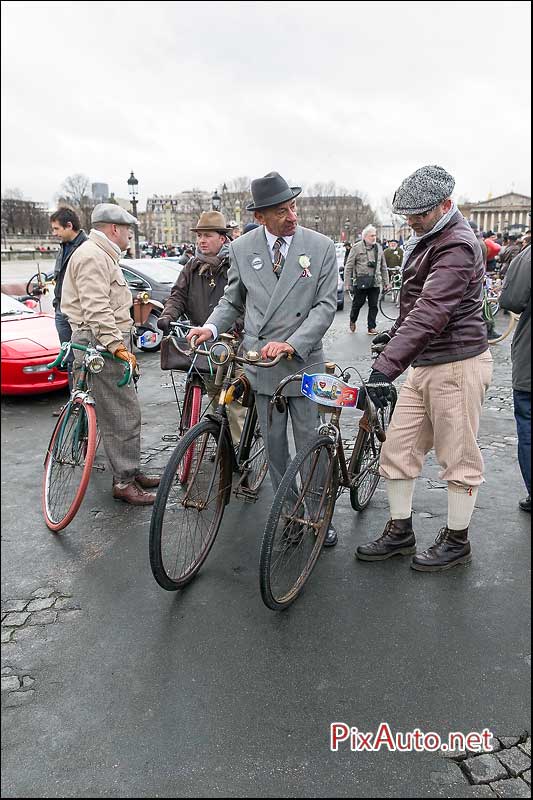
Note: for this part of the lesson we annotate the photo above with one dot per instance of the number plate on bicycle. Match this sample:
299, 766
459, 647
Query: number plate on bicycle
329, 391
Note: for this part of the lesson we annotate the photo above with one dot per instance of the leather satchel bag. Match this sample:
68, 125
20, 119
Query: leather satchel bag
364, 281
173, 358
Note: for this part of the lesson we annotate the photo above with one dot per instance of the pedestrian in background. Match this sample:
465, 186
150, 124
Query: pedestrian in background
97, 302
493, 250
393, 255
366, 273
66, 226
516, 296
441, 335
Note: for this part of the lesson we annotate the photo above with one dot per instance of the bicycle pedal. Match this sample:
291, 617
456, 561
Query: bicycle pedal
170, 437
99, 467
247, 495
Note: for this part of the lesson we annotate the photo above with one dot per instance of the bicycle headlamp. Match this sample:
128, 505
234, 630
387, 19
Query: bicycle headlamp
95, 363
219, 353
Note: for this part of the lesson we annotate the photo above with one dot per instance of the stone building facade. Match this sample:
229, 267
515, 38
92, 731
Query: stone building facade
508, 212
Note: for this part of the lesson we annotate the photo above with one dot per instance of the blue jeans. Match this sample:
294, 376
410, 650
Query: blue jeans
64, 331
522, 413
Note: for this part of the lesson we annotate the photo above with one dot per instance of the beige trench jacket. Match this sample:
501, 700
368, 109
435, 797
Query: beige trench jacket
95, 293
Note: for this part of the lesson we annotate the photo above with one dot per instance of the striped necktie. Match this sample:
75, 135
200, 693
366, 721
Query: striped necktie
279, 259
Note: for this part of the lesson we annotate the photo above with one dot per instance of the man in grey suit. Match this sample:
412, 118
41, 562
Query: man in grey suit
283, 277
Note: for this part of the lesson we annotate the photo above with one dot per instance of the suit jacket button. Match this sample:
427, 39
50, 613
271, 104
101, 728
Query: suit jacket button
298, 314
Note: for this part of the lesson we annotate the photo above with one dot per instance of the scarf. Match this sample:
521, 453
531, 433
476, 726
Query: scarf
413, 240
204, 263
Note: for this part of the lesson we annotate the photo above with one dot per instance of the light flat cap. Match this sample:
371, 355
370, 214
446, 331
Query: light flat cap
423, 190
115, 215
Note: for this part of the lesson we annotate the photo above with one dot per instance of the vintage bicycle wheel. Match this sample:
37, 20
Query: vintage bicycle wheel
364, 464
298, 523
500, 325
68, 463
192, 406
187, 513
255, 461
388, 303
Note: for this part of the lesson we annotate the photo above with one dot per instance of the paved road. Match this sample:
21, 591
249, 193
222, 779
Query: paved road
127, 690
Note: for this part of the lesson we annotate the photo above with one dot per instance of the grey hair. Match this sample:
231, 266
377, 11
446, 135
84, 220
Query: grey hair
368, 229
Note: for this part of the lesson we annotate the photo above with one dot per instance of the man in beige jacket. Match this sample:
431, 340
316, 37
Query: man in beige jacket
97, 301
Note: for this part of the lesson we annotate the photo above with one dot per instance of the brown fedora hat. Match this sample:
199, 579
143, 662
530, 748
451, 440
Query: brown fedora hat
211, 221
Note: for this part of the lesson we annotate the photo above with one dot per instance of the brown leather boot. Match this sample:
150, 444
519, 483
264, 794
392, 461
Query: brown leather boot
134, 494
398, 539
147, 481
451, 548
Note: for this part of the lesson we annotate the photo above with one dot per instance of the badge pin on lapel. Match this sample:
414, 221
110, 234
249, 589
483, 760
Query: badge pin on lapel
257, 263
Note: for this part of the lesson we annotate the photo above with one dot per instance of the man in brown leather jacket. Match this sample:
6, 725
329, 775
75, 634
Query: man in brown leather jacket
441, 336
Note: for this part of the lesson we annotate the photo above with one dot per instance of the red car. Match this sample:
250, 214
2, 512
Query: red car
29, 343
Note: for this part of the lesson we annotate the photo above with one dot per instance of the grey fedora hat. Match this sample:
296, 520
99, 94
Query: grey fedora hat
271, 190
115, 215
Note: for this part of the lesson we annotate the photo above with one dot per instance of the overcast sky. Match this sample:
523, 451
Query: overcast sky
192, 94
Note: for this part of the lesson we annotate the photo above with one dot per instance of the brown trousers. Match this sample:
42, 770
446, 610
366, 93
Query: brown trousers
439, 407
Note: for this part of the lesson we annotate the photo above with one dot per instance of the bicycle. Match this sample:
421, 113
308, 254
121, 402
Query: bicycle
389, 300
197, 483
304, 503
70, 454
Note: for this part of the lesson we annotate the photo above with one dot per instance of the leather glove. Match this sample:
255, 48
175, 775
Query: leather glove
380, 394
163, 323
380, 341
125, 355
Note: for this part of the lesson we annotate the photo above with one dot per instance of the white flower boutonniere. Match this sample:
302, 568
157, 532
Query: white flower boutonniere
305, 262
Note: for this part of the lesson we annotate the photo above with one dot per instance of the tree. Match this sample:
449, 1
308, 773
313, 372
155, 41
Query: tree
75, 192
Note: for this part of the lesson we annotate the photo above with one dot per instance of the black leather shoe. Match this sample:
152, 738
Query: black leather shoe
331, 537
451, 548
398, 539
525, 504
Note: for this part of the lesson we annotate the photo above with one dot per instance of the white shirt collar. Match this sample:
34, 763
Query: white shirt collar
271, 240
102, 235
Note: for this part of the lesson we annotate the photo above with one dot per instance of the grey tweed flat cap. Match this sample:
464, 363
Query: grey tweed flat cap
109, 212
424, 189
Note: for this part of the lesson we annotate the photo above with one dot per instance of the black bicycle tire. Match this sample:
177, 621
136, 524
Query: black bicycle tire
254, 487
158, 511
57, 525
384, 313
272, 522
355, 501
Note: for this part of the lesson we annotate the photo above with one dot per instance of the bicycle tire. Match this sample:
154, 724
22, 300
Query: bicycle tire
294, 534
73, 444
192, 407
505, 333
170, 514
387, 312
257, 460
368, 449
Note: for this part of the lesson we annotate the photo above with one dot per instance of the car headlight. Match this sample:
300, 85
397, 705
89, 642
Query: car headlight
36, 368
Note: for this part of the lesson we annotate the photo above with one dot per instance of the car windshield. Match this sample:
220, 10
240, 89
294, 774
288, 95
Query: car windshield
12, 307
157, 271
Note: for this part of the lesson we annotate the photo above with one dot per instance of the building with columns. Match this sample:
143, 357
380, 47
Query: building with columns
508, 212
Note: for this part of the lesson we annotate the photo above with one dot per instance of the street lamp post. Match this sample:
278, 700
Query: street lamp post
317, 220
347, 229
216, 201
237, 210
133, 183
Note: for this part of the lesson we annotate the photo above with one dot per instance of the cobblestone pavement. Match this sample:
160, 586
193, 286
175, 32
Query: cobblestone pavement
113, 687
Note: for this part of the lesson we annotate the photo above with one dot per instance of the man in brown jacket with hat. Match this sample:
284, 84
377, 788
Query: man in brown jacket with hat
198, 289
441, 336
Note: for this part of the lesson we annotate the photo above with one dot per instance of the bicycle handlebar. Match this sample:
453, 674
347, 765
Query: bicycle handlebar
249, 358
66, 347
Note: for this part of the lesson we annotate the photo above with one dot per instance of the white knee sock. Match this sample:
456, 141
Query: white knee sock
400, 494
461, 501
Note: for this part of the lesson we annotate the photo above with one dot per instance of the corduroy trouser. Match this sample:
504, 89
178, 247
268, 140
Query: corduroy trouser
439, 407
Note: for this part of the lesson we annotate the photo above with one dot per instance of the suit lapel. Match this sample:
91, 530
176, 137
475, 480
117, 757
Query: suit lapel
260, 263
291, 273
